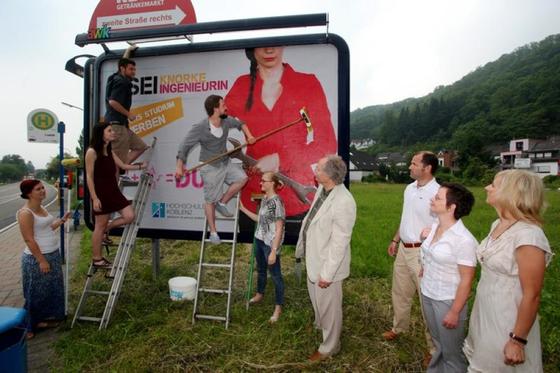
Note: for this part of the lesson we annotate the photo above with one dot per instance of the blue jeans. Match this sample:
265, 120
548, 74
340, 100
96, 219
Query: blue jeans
262, 251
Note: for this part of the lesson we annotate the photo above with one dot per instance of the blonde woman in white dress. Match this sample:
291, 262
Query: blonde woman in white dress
504, 332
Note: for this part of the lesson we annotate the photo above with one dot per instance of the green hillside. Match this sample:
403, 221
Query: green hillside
517, 95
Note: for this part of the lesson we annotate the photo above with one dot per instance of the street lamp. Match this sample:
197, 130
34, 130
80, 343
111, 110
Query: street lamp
72, 106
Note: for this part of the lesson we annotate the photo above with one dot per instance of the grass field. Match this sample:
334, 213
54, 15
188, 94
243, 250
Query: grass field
150, 333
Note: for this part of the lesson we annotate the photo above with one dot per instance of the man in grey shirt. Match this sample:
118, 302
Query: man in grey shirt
212, 134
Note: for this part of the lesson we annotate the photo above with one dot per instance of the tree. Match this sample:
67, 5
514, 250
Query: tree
52, 171
30, 167
477, 171
80, 147
10, 173
13, 168
14, 159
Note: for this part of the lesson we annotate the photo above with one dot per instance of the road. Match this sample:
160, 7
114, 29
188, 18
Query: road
10, 202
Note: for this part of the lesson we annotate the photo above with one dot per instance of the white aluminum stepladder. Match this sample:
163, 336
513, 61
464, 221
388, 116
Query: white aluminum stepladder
202, 265
123, 254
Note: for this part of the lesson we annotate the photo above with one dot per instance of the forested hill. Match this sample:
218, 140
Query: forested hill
516, 96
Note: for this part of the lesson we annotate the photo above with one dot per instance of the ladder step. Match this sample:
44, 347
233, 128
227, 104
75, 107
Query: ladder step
128, 183
210, 317
95, 269
216, 265
88, 318
223, 241
216, 291
98, 292
225, 218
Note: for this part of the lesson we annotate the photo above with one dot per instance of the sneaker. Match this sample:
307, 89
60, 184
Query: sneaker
389, 335
222, 209
126, 179
215, 239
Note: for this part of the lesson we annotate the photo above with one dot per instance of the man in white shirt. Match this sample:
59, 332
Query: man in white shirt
406, 242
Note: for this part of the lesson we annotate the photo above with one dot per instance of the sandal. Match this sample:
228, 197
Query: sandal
48, 324
101, 263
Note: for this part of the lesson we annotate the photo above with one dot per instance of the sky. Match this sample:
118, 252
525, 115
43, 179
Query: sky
398, 49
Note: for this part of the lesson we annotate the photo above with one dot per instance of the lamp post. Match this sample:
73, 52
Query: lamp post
66, 258
71, 106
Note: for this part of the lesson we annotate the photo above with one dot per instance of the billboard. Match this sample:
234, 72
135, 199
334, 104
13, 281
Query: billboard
169, 90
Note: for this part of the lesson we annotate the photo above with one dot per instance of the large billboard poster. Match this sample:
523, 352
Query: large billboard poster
168, 98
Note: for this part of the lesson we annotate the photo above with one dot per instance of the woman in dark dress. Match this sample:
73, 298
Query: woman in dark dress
103, 187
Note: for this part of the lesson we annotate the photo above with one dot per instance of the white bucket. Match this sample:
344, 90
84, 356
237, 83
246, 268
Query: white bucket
182, 288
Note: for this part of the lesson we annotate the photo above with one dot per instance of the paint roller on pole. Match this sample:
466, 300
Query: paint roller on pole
303, 117
71, 162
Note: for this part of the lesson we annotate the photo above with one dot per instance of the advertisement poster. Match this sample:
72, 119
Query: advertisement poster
168, 98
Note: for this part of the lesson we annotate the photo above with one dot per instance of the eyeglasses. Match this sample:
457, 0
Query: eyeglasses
266, 181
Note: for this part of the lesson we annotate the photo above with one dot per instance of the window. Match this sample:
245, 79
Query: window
547, 154
531, 155
519, 145
543, 169
539, 155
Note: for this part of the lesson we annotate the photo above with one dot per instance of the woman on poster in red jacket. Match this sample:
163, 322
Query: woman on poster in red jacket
270, 96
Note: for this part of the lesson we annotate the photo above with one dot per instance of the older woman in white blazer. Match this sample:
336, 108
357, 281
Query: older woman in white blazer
324, 239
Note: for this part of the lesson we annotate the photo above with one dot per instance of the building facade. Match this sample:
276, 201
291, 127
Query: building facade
539, 156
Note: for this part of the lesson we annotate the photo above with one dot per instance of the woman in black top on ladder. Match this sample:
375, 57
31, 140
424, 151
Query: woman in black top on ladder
103, 188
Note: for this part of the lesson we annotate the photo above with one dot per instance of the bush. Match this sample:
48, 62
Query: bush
373, 178
552, 181
488, 177
447, 178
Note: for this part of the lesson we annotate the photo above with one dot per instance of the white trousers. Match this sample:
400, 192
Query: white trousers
327, 305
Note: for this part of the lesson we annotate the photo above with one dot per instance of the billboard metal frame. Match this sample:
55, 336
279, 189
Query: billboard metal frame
92, 83
249, 24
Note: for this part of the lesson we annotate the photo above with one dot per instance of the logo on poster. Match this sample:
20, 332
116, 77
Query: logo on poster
174, 210
189, 82
158, 210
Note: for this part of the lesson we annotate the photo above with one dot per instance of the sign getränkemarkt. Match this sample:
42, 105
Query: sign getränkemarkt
42, 126
120, 15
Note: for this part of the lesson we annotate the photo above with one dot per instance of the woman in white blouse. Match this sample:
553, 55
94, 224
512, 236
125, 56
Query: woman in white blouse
448, 268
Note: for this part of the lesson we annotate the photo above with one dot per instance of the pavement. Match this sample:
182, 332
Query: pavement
39, 349
10, 201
